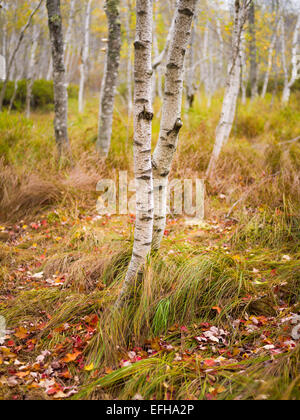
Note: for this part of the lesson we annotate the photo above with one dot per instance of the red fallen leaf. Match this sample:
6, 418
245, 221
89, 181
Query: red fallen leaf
10, 343
34, 226
166, 232
184, 329
44, 222
210, 362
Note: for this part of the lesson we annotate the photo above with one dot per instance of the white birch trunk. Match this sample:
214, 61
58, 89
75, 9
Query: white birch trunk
84, 55
269, 66
244, 69
143, 116
68, 36
295, 62
31, 69
59, 79
232, 87
109, 83
171, 113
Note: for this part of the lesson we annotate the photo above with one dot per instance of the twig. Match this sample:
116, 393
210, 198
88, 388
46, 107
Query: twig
290, 141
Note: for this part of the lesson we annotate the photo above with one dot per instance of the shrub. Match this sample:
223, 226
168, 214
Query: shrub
42, 94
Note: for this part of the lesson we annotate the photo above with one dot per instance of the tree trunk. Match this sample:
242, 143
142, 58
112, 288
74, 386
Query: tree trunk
244, 78
232, 86
68, 37
85, 54
253, 51
143, 116
14, 53
109, 84
190, 72
31, 69
129, 66
295, 66
59, 82
171, 113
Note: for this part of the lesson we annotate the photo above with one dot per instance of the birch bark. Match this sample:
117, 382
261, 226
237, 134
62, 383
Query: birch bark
253, 51
69, 34
232, 86
31, 69
85, 54
59, 78
171, 122
295, 64
109, 82
143, 116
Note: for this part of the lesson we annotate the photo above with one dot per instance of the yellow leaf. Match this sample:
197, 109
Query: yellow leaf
89, 367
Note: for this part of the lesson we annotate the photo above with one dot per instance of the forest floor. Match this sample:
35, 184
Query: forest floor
217, 313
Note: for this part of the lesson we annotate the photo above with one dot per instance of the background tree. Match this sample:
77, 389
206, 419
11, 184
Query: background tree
109, 83
59, 78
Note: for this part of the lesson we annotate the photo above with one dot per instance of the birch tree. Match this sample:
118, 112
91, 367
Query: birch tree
68, 36
109, 83
143, 115
253, 51
15, 51
31, 68
59, 78
84, 53
295, 62
232, 86
171, 122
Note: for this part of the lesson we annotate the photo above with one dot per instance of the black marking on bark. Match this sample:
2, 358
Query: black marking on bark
158, 230
139, 45
146, 115
138, 144
165, 174
177, 126
173, 66
147, 244
136, 255
169, 94
146, 151
171, 146
141, 101
154, 165
145, 178
159, 218
186, 12
146, 219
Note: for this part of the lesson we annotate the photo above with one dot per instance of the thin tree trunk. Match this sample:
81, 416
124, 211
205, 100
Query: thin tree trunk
232, 87
13, 56
143, 116
171, 122
31, 69
69, 35
295, 66
269, 67
59, 78
129, 66
85, 54
244, 78
109, 84
190, 72
253, 51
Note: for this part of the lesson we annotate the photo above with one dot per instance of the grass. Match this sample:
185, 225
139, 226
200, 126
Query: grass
243, 262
